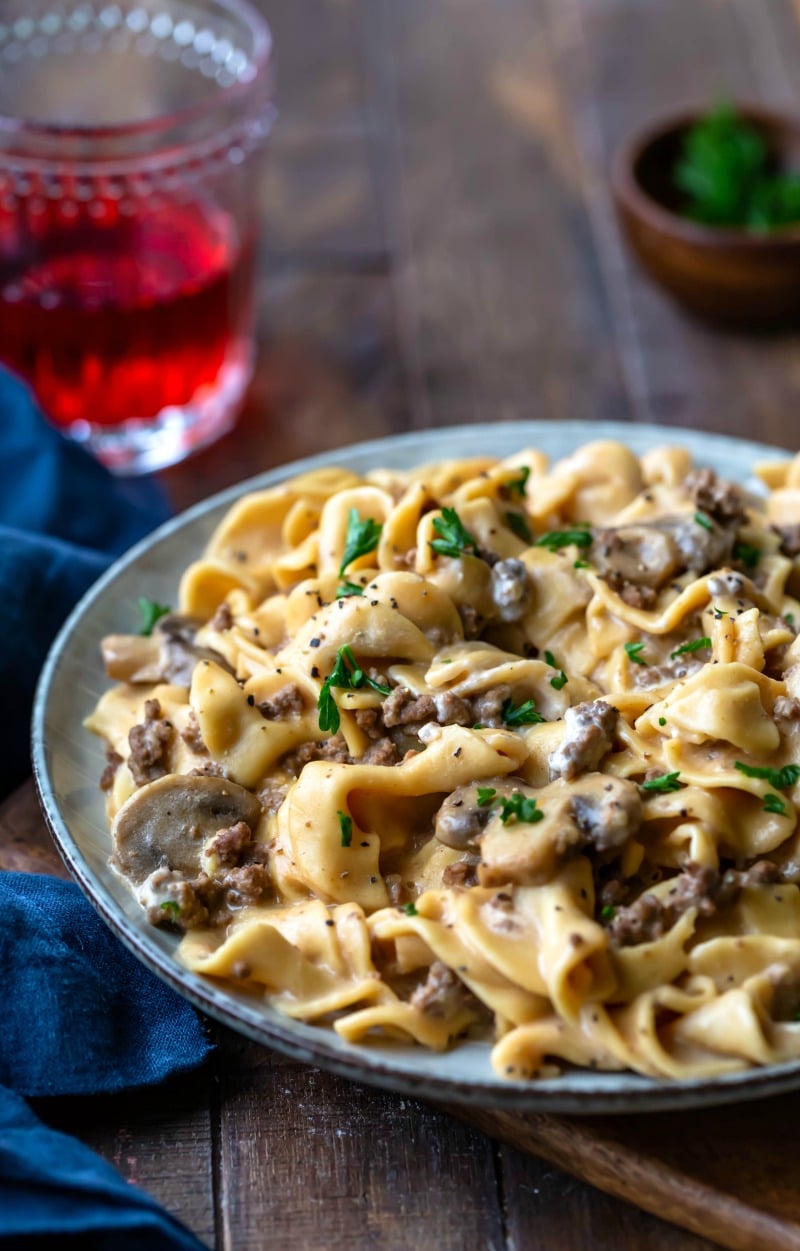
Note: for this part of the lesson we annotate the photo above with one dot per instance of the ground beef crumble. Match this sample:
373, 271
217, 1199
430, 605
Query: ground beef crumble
442, 993
148, 744
650, 916
287, 702
722, 500
222, 619
790, 539
589, 736
113, 761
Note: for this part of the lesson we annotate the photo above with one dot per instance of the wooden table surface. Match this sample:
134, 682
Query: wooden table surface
441, 248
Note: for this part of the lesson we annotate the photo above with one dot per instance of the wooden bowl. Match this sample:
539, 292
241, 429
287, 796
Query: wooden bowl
728, 274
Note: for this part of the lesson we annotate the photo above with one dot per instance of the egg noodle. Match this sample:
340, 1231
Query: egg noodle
486, 749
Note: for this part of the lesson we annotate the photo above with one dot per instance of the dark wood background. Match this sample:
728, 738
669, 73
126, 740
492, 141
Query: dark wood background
441, 248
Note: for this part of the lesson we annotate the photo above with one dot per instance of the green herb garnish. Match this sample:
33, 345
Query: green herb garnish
519, 484
774, 803
719, 613
581, 564
346, 676
172, 907
781, 779
696, 645
666, 782
562, 679
702, 520
453, 539
517, 523
747, 553
727, 173
608, 912
662, 720
410, 909
361, 538
556, 539
519, 808
346, 828
789, 618
485, 796
151, 612
348, 588
523, 714
634, 651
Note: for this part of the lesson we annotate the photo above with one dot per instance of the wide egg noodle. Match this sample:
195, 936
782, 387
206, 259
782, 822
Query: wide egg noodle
362, 918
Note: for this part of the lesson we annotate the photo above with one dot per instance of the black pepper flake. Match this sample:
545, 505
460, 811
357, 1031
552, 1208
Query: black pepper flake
365, 844
373, 880
315, 643
256, 631
314, 671
279, 670
457, 752
251, 699
329, 922
373, 603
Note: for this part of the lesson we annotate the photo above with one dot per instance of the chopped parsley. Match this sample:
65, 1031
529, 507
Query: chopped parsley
485, 796
781, 779
453, 539
554, 540
719, 613
634, 651
519, 808
700, 519
774, 803
523, 714
581, 564
747, 553
361, 538
696, 645
519, 484
666, 782
346, 676
789, 618
562, 679
410, 909
517, 523
608, 912
151, 612
346, 828
348, 588
172, 907
662, 720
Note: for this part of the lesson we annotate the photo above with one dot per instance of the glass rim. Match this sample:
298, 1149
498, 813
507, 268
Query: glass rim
164, 122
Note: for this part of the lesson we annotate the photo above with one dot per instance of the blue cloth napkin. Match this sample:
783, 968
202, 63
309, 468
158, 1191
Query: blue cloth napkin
80, 1015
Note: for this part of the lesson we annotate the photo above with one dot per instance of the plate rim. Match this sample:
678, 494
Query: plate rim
369, 1063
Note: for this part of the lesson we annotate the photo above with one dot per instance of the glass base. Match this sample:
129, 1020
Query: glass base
145, 445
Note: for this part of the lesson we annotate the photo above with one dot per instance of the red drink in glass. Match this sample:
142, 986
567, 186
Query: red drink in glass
127, 250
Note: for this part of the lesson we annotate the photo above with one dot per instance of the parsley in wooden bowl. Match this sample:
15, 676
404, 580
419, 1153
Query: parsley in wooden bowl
710, 204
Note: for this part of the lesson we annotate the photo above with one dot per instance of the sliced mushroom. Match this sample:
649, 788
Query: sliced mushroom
169, 654
650, 553
461, 819
596, 809
166, 823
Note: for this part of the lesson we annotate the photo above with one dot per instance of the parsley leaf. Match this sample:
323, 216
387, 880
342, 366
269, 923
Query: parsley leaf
562, 679
747, 553
346, 828
151, 612
701, 519
719, 613
520, 808
789, 618
554, 540
517, 523
781, 779
774, 803
608, 912
348, 588
172, 907
346, 676
453, 539
667, 782
519, 484
362, 537
581, 564
485, 796
410, 909
662, 720
696, 645
523, 714
634, 651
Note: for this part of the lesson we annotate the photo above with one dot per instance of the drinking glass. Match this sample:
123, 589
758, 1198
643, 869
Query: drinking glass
131, 147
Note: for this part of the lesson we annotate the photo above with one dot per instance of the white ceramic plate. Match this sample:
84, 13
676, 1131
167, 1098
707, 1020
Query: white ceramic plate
68, 762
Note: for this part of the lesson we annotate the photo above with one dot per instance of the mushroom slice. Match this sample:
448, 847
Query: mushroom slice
166, 823
169, 654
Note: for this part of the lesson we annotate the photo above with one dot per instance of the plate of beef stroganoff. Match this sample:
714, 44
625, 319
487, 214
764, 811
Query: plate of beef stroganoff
471, 777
